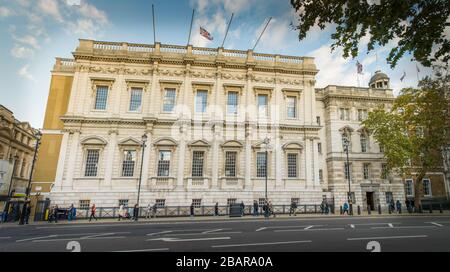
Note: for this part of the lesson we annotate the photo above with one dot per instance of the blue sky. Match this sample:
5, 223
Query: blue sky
34, 32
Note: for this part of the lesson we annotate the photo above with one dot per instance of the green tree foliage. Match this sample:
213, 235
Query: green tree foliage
416, 130
417, 25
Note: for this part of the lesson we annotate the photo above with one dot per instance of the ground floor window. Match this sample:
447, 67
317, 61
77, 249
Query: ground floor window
231, 201
197, 203
261, 201
84, 204
123, 202
389, 197
409, 187
295, 200
426, 187
160, 203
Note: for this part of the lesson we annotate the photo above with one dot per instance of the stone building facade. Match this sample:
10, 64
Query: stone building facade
207, 115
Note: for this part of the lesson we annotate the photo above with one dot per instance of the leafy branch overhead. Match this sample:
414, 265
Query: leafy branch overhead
416, 26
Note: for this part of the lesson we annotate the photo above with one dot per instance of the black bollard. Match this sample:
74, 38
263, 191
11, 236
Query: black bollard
379, 209
441, 210
359, 210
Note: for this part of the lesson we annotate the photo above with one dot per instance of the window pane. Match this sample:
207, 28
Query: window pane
197, 163
164, 163
169, 100
363, 143
366, 171
426, 187
230, 164
197, 203
291, 107
261, 170
129, 160
409, 188
262, 105
292, 165
232, 102
201, 101
347, 170
136, 99
91, 163
389, 197
101, 98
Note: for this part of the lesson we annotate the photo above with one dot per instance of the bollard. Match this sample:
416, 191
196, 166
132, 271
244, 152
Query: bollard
379, 209
431, 208
359, 210
369, 211
441, 210
340, 210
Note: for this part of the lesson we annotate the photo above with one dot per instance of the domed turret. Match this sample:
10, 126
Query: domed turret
379, 81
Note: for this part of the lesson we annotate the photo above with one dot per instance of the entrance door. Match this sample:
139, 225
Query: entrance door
370, 202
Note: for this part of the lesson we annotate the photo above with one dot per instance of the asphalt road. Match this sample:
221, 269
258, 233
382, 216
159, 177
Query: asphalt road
418, 233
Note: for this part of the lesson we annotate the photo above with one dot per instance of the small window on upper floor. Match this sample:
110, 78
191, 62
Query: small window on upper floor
136, 99
101, 98
344, 114
169, 100
291, 105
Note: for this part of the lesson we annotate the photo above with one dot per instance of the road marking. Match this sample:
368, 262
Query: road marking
96, 235
352, 226
144, 250
162, 232
36, 238
369, 224
406, 227
263, 244
5, 238
260, 229
436, 224
386, 237
209, 231
308, 230
289, 227
189, 240
212, 233
72, 239
390, 225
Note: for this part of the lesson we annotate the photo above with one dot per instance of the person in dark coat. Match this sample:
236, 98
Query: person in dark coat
255, 208
216, 209
93, 211
243, 208
192, 210
27, 212
135, 212
399, 206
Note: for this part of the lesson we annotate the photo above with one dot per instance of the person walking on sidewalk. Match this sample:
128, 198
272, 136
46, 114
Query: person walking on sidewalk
54, 214
266, 209
345, 208
27, 212
293, 209
255, 208
93, 211
192, 209
242, 208
271, 211
135, 212
121, 212
399, 206
155, 209
216, 209
70, 213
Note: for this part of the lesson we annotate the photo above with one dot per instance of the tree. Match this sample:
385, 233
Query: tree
415, 131
417, 25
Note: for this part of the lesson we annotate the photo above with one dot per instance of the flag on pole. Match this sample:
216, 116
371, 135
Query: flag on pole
403, 77
359, 66
206, 34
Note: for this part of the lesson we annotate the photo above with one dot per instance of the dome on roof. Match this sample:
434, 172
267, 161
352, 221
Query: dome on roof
380, 80
378, 76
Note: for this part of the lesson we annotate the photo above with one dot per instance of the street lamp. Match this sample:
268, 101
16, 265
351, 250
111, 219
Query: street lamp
6, 209
346, 143
144, 140
266, 142
27, 193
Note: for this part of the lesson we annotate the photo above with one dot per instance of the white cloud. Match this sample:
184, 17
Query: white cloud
84, 28
91, 12
21, 52
5, 12
23, 72
51, 7
28, 40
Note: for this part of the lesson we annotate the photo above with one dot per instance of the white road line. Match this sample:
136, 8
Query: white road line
76, 239
189, 240
263, 244
390, 225
436, 224
386, 237
96, 235
289, 227
36, 238
209, 231
162, 232
352, 226
144, 250
406, 227
308, 230
260, 229
370, 224
5, 238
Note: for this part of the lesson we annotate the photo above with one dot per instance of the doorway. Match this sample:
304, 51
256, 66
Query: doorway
370, 200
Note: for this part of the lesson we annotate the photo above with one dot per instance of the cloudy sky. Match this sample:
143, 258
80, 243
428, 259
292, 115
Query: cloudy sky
34, 32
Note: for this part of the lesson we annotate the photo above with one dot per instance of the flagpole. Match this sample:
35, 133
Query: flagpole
228, 28
262, 33
154, 28
190, 29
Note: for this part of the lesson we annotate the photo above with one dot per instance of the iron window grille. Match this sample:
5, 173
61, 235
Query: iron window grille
261, 167
164, 163
84, 204
292, 165
230, 164
384, 171
409, 187
197, 203
123, 202
101, 98
347, 170
426, 187
261, 201
197, 163
231, 201
92, 162
129, 161
160, 203
363, 143
389, 197
136, 99
295, 200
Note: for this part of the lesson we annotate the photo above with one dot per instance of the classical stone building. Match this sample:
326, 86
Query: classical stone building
207, 115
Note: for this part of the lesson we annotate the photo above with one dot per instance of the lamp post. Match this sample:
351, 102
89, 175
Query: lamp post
144, 140
6, 209
267, 145
346, 147
27, 193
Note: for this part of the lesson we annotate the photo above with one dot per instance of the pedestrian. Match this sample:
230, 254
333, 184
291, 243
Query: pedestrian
136, 212
345, 208
148, 211
242, 208
392, 205
216, 209
399, 206
266, 209
255, 208
70, 213
155, 209
27, 212
93, 211
327, 207
121, 212
192, 209
323, 206
271, 211
293, 209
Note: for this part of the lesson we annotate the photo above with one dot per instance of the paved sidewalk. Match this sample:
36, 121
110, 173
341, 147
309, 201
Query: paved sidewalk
225, 218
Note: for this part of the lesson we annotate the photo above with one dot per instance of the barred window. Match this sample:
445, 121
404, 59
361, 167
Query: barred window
129, 161
164, 163
136, 99
160, 203
231, 201
426, 187
197, 163
101, 98
363, 138
261, 167
263, 105
230, 164
366, 170
197, 203
296, 200
123, 202
169, 100
347, 170
409, 187
291, 103
232, 104
384, 171
92, 162
348, 137
201, 101
261, 201
84, 204
292, 165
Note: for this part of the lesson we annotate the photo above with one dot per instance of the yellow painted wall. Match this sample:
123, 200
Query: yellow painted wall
57, 103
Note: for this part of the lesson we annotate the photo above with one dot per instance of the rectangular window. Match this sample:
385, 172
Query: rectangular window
232, 104
129, 161
101, 98
318, 120
197, 163
347, 170
389, 197
261, 161
230, 164
426, 187
292, 165
231, 201
366, 170
384, 171
197, 203
409, 187
363, 139
261, 201
344, 114
84, 204
164, 163
319, 148
135, 99
295, 200
362, 115
123, 202
263, 105
160, 203
291, 104
201, 101
321, 175
169, 100
92, 162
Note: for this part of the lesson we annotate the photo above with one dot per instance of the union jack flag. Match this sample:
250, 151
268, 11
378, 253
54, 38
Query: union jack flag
206, 34
359, 67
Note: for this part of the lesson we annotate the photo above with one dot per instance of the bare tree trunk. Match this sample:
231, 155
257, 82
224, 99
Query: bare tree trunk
418, 188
